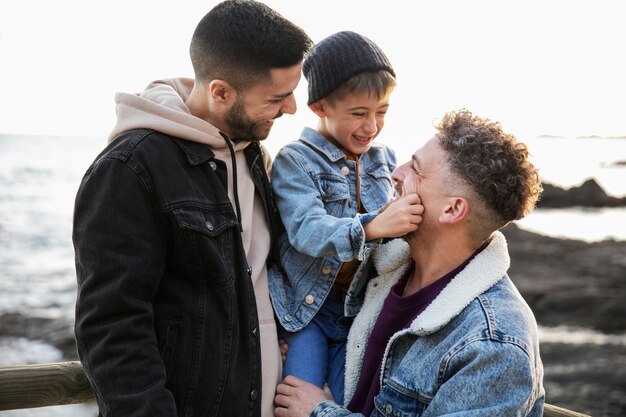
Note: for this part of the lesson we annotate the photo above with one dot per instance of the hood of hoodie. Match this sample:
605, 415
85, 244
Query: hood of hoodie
161, 107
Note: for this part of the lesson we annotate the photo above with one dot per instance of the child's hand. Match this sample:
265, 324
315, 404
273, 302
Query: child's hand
409, 186
397, 219
283, 347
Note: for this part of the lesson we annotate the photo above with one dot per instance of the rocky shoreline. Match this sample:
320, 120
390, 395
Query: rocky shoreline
566, 283
569, 282
580, 285
588, 194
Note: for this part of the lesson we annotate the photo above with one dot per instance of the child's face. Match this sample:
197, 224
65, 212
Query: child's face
352, 122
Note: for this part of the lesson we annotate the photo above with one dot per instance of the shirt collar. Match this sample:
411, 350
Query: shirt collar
319, 142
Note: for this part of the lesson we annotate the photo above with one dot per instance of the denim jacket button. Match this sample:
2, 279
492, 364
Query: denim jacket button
209, 226
388, 409
287, 317
254, 394
345, 170
326, 270
213, 165
255, 332
309, 299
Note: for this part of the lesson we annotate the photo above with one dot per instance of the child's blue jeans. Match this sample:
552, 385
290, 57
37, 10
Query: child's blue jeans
317, 353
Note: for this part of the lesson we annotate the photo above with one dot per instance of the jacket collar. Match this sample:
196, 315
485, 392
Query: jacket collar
196, 153
316, 140
484, 271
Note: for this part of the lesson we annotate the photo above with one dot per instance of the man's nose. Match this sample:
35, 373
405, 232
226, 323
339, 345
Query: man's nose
289, 105
397, 174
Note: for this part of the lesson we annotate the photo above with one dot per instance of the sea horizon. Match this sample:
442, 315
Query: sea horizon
563, 161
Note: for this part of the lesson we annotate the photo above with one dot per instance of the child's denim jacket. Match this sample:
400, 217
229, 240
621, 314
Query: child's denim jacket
315, 189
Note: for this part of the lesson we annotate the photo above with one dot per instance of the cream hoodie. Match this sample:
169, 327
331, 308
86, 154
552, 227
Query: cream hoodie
161, 107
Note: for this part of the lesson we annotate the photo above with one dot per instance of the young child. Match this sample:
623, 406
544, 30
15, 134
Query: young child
329, 187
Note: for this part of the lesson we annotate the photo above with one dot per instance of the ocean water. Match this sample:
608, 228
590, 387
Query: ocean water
39, 177
568, 162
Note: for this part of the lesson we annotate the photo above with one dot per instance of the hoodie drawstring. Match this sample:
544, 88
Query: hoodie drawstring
234, 163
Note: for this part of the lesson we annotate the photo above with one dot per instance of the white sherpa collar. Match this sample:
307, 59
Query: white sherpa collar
391, 256
484, 271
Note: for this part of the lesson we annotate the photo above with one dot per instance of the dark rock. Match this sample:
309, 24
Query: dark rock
589, 194
570, 282
57, 332
577, 284
588, 378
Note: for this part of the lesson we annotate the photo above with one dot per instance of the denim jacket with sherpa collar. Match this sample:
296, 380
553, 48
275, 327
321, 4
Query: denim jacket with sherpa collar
474, 351
314, 185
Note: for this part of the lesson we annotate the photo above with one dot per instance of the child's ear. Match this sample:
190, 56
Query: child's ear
318, 108
455, 210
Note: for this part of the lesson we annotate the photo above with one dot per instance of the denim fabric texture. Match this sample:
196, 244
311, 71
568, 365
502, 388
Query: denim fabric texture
314, 187
484, 362
164, 291
473, 352
317, 353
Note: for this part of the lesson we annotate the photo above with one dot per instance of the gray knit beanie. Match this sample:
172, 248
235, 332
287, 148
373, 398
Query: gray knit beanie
337, 58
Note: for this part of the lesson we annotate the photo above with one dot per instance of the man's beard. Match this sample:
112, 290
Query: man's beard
241, 127
422, 232
411, 235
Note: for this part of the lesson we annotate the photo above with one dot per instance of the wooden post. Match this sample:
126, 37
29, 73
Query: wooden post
28, 386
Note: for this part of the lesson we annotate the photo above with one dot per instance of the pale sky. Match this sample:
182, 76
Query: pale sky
538, 66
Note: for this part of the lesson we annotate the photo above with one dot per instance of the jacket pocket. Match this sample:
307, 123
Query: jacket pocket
377, 187
334, 192
210, 222
394, 400
169, 335
207, 239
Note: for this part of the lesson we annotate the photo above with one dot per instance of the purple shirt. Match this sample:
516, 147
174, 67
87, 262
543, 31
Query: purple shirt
398, 313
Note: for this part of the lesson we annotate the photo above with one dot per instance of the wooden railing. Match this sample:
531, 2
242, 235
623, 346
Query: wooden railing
29, 386
62, 383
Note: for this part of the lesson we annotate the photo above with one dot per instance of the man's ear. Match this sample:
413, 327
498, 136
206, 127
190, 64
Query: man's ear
456, 209
319, 108
221, 91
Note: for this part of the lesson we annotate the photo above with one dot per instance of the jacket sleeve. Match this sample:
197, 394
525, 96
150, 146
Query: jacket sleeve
486, 377
310, 228
331, 409
119, 254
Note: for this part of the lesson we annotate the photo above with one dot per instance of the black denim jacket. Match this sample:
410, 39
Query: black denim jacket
166, 320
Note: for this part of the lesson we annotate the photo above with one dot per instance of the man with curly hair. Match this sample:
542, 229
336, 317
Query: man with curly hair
443, 330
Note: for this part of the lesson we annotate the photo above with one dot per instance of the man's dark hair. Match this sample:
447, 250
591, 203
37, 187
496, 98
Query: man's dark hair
240, 41
493, 163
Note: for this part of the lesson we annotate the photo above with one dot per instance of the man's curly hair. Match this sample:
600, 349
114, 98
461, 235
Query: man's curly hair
493, 163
